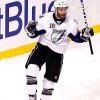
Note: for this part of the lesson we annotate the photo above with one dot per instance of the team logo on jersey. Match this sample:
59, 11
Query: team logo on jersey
52, 25
57, 36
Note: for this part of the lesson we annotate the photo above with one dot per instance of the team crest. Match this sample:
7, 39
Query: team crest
57, 36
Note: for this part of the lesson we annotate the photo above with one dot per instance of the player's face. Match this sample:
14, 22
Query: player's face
61, 12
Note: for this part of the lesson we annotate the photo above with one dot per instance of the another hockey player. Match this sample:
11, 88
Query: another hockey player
53, 29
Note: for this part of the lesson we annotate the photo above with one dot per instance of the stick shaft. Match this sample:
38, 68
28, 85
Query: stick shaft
86, 25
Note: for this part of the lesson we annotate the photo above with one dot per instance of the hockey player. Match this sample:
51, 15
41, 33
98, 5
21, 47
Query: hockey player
53, 29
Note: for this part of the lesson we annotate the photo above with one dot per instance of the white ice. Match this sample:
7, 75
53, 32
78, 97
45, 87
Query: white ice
79, 79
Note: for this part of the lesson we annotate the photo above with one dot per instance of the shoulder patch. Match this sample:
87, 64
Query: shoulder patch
75, 21
40, 16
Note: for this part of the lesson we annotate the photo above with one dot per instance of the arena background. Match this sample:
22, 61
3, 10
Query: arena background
14, 15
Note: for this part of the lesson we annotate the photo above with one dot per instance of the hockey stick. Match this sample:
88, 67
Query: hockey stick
86, 23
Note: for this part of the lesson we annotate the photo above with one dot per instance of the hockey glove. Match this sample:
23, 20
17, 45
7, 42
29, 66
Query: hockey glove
30, 29
86, 34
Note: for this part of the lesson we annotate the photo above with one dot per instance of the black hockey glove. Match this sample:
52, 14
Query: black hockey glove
30, 29
86, 33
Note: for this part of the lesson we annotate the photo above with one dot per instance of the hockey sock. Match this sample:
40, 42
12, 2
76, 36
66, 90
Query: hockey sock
31, 75
48, 87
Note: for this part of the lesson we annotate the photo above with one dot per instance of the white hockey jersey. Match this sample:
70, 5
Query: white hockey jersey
56, 36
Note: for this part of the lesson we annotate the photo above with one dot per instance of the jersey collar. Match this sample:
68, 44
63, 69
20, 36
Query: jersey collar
58, 21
